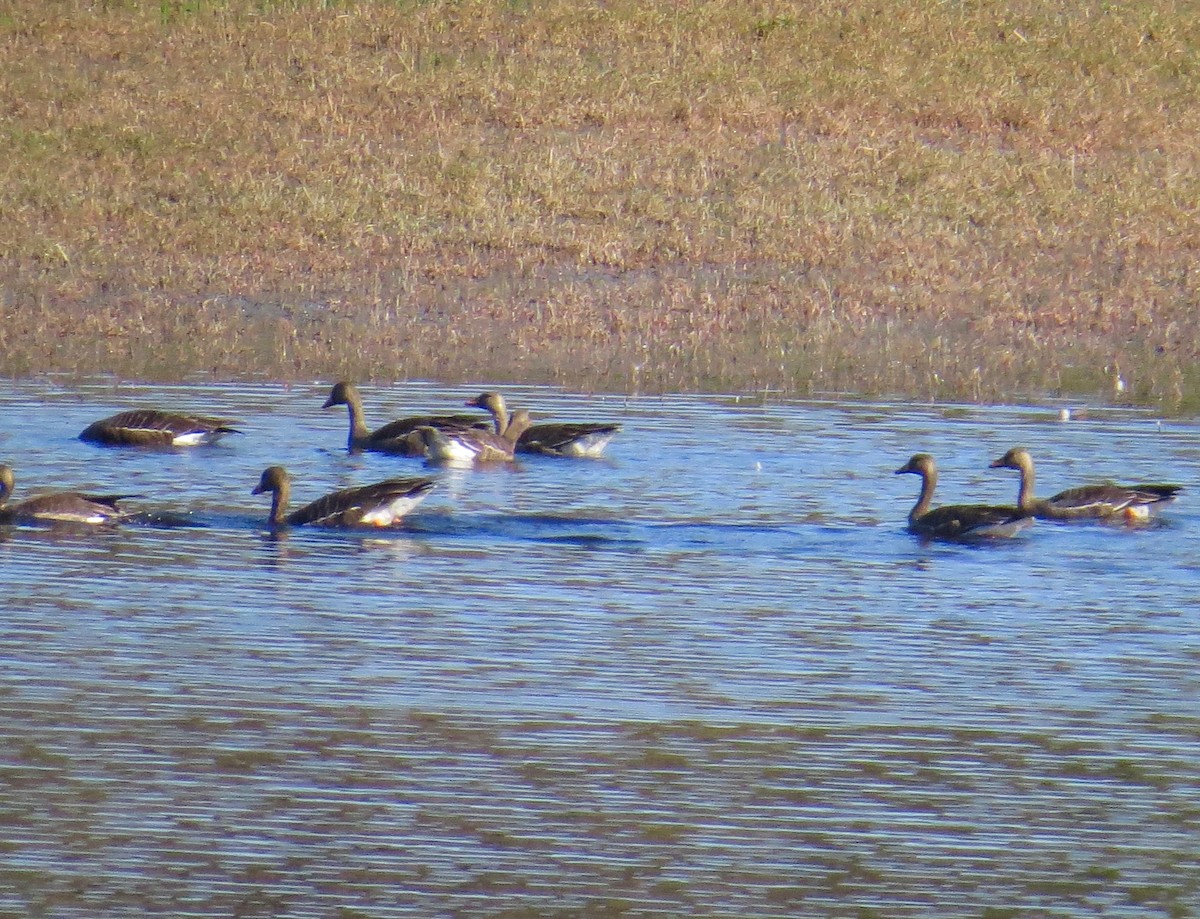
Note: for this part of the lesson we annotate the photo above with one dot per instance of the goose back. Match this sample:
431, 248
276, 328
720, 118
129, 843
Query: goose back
57, 507
154, 428
573, 439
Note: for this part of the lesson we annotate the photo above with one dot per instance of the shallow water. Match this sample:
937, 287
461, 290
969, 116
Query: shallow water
708, 675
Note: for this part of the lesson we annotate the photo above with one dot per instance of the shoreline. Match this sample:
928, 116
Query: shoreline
588, 338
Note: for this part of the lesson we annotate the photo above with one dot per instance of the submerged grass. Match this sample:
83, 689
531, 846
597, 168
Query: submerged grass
978, 200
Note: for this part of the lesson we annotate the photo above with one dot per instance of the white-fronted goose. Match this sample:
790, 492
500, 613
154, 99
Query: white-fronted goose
147, 427
1105, 500
575, 439
471, 445
57, 507
400, 437
956, 521
383, 504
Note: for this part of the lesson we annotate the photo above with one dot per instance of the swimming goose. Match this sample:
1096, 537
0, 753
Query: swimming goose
1101, 501
147, 427
956, 521
57, 507
575, 439
402, 437
380, 505
470, 445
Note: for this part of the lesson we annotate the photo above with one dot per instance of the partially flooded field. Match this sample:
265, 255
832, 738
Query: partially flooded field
708, 675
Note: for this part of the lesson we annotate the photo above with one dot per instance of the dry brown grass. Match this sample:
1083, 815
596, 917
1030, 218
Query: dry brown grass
941, 200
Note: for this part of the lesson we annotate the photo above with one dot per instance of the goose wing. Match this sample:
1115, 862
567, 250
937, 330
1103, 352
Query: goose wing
69, 506
150, 427
1155, 493
381, 504
404, 435
567, 439
1108, 499
966, 521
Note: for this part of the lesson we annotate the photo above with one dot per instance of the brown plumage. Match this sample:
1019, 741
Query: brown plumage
57, 507
380, 505
152, 428
575, 439
402, 437
468, 446
956, 521
1104, 500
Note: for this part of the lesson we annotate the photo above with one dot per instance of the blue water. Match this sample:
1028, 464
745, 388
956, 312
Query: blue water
709, 674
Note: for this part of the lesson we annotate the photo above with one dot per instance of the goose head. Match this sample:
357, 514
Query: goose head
1016, 458
343, 393
274, 479
921, 464
488, 401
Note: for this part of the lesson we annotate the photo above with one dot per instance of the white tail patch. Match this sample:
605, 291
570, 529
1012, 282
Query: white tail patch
590, 445
453, 450
393, 512
197, 438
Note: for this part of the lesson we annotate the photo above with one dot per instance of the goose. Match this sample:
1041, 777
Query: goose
383, 504
57, 507
956, 521
401, 437
1101, 501
574, 439
147, 427
470, 445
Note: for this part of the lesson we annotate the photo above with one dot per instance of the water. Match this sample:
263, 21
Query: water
709, 675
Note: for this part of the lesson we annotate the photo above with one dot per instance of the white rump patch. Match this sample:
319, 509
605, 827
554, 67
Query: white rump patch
196, 438
453, 450
589, 445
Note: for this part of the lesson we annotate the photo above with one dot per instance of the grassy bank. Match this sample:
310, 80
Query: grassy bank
967, 200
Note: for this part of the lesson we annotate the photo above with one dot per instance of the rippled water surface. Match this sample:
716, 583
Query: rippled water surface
709, 675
